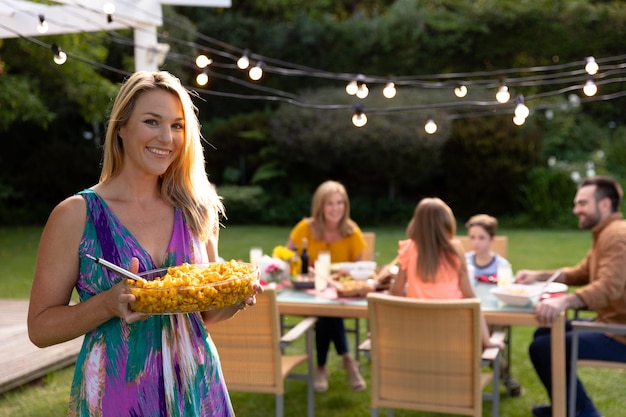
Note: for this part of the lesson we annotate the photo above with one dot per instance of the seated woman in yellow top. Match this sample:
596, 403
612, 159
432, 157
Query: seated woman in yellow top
330, 229
432, 263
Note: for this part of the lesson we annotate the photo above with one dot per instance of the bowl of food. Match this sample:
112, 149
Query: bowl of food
303, 281
353, 288
361, 274
517, 294
192, 287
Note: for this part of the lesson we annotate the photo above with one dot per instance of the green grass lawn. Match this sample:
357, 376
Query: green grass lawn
527, 249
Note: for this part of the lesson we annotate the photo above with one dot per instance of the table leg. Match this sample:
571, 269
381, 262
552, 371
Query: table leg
558, 366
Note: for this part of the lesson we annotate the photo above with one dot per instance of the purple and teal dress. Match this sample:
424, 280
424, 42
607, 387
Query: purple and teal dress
164, 366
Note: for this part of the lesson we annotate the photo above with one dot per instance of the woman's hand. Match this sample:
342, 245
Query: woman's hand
124, 298
251, 301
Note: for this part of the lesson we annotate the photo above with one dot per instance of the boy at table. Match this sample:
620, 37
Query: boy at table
481, 231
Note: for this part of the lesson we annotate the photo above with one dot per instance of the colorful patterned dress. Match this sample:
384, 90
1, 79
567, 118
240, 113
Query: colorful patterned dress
166, 365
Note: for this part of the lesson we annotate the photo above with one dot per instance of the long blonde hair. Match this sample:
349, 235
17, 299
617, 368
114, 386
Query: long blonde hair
432, 228
322, 193
185, 183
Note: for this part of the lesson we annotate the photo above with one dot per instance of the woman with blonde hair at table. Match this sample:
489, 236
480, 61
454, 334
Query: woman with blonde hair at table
331, 229
432, 264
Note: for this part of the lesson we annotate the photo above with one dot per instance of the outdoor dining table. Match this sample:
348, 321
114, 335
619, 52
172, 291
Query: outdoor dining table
313, 303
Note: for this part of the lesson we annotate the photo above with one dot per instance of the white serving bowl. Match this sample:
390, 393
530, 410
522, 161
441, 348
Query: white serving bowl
361, 274
517, 294
368, 265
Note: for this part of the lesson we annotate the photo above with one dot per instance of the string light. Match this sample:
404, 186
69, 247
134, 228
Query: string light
202, 78
518, 121
480, 80
202, 61
521, 110
256, 72
590, 88
503, 95
591, 67
59, 56
352, 87
430, 127
243, 62
359, 119
42, 27
460, 91
109, 9
390, 90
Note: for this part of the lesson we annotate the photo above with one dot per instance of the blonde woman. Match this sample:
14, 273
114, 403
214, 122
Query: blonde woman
153, 207
330, 229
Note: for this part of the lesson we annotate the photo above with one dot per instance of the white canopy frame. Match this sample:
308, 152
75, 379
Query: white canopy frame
20, 18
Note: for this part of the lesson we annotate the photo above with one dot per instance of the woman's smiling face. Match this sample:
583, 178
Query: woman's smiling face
334, 208
155, 132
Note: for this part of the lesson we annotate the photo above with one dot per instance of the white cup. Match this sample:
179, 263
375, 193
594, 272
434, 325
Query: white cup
256, 254
322, 270
505, 275
471, 273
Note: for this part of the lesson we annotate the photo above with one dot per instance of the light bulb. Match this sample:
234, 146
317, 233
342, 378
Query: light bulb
108, 8
591, 66
359, 119
60, 58
202, 79
460, 91
521, 110
362, 91
430, 127
503, 95
390, 90
202, 61
256, 72
352, 87
42, 27
590, 88
243, 62
519, 120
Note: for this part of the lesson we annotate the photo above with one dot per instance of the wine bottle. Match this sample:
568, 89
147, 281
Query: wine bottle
304, 256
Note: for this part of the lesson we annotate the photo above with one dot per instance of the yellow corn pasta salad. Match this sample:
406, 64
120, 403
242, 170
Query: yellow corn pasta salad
188, 288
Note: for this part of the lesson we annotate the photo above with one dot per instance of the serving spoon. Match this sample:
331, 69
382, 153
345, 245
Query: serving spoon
111, 266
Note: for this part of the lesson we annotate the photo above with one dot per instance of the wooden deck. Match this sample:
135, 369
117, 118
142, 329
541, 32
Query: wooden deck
20, 360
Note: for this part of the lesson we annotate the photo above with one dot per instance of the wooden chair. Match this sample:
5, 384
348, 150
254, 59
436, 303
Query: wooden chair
426, 356
500, 245
250, 347
579, 327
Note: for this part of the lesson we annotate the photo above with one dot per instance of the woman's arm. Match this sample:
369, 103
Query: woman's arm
51, 318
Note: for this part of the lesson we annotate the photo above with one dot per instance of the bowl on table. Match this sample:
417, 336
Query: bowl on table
517, 294
361, 274
192, 287
303, 282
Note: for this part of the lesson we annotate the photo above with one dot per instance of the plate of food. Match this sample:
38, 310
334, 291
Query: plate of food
192, 287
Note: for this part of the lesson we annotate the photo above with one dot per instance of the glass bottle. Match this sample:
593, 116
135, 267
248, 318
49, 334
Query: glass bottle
304, 257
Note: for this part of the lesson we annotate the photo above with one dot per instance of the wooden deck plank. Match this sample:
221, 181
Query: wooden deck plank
20, 360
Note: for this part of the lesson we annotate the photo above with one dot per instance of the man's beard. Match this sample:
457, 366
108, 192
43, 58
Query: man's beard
589, 221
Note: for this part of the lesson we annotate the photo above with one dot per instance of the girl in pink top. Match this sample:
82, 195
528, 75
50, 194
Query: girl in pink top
432, 264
